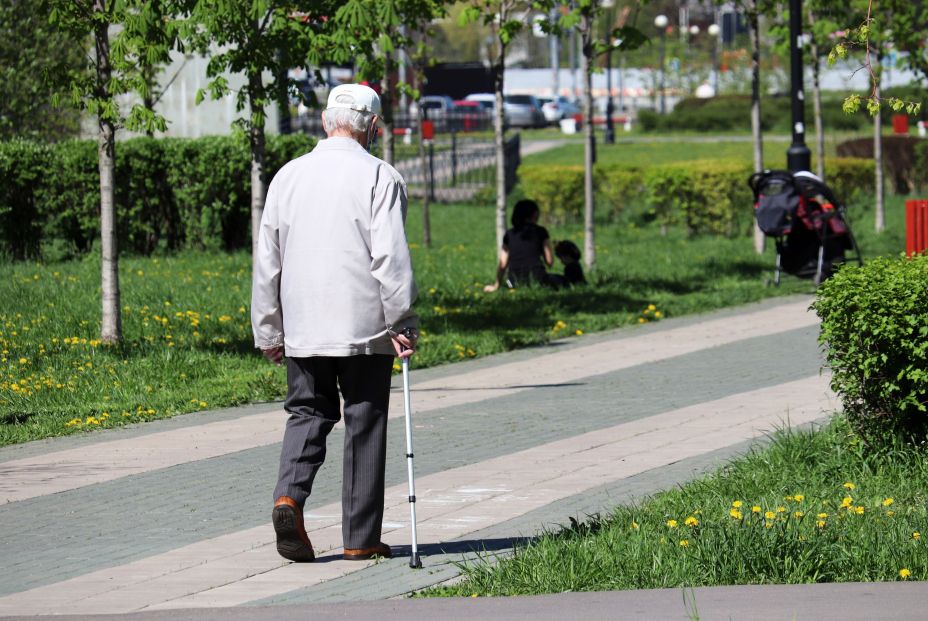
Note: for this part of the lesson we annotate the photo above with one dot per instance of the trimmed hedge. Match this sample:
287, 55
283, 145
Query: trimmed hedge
707, 197
733, 112
900, 159
875, 333
170, 193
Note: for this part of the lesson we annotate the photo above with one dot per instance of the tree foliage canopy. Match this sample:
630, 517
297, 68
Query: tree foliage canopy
36, 61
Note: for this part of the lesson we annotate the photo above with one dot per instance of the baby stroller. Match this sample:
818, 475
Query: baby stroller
806, 220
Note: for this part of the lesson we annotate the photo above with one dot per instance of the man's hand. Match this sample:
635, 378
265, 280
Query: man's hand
274, 354
491, 288
401, 341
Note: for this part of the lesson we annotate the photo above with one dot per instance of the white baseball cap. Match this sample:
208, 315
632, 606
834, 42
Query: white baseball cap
354, 97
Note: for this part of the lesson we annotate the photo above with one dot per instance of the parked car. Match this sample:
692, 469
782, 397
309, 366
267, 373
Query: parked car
471, 115
435, 106
487, 100
557, 108
523, 111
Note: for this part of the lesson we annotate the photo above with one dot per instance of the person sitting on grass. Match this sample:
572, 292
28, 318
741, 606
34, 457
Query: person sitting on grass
526, 250
569, 254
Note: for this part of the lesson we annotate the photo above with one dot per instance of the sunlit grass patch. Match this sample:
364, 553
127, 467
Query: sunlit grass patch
813, 507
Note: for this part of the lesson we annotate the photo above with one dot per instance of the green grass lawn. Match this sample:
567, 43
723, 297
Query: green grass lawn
812, 507
647, 149
187, 331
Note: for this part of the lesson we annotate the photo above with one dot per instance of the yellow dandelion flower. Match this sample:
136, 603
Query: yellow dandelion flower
888, 502
735, 514
652, 308
642, 320
857, 510
770, 515
916, 535
781, 509
684, 543
849, 485
799, 497
904, 573
820, 523
203, 404
846, 502
890, 513
23, 361
788, 498
822, 516
578, 332
635, 526
755, 509
691, 521
737, 504
672, 523
798, 514
657, 314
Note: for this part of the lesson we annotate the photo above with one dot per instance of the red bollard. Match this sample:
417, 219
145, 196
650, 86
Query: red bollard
916, 227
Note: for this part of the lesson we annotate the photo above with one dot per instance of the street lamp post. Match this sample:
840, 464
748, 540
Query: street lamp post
660, 22
798, 156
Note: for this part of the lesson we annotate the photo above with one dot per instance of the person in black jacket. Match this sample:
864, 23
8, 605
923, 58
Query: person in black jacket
526, 250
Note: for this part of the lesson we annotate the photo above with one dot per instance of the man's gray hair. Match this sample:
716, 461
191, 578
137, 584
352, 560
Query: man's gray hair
346, 119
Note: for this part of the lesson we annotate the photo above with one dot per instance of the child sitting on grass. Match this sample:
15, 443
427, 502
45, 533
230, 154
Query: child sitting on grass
569, 255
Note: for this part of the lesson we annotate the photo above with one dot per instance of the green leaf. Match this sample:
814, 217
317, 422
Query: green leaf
851, 104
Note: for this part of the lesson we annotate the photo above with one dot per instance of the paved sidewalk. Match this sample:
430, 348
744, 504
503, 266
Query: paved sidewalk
174, 515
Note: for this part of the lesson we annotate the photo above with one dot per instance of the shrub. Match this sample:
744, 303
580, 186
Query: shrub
147, 209
21, 170
558, 190
708, 197
170, 193
875, 333
733, 112
849, 177
210, 178
70, 198
619, 188
898, 158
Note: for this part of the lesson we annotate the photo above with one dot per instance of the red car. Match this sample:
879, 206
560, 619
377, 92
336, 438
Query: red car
469, 115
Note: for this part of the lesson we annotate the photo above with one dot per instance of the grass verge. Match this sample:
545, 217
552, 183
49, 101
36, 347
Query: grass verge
814, 506
188, 342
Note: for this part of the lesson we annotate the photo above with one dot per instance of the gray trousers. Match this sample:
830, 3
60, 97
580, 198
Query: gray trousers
312, 402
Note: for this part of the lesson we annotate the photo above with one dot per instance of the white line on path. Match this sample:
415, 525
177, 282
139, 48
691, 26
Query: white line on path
112, 459
241, 567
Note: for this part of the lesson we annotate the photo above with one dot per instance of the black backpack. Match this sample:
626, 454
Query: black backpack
776, 200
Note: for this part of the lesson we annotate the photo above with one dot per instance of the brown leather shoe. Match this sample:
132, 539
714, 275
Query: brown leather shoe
292, 542
362, 554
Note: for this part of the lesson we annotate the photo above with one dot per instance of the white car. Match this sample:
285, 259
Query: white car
557, 108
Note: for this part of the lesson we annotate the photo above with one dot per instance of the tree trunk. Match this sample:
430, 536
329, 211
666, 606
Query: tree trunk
386, 108
817, 104
589, 242
258, 187
426, 177
111, 313
499, 140
759, 239
880, 221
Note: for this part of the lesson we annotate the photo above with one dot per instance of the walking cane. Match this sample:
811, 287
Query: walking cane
414, 561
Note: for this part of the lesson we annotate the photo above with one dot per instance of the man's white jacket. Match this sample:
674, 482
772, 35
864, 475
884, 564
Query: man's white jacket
332, 272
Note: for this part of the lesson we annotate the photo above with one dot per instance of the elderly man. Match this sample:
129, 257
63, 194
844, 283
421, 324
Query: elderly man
333, 289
